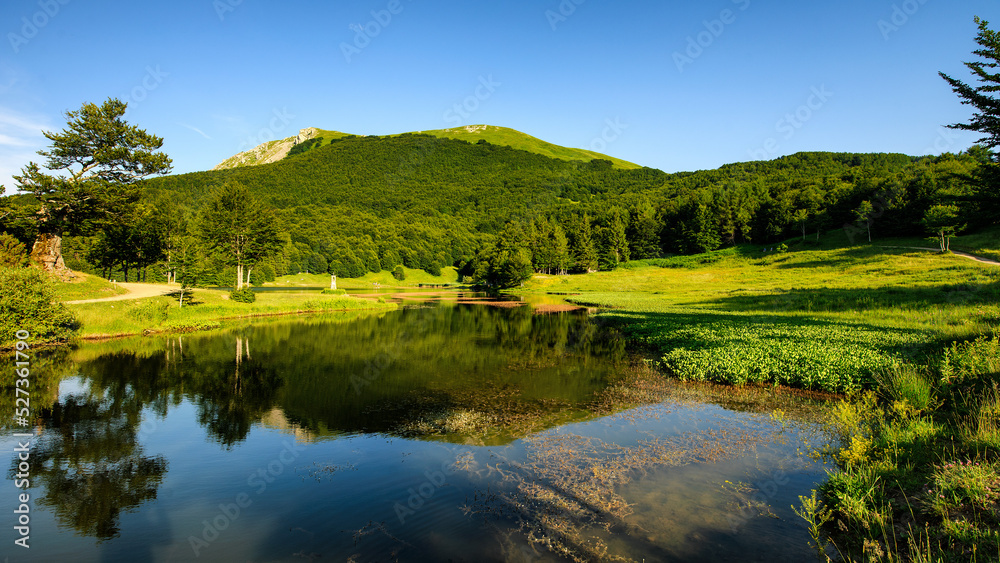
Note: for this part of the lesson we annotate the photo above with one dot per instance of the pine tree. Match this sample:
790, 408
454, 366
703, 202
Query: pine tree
97, 162
986, 117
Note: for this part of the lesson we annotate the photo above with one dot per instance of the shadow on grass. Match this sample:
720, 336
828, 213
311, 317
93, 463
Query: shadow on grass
659, 333
839, 300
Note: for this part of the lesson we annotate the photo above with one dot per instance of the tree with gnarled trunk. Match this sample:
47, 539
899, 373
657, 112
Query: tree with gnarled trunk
92, 170
240, 228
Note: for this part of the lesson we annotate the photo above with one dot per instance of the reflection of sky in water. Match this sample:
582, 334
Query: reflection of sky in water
313, 491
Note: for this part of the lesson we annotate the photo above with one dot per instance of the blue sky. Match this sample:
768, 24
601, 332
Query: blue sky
671, 85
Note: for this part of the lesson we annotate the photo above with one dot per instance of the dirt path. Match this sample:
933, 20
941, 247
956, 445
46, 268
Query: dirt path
135, 291
955, 252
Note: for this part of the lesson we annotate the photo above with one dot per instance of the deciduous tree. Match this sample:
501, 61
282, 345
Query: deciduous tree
240, 228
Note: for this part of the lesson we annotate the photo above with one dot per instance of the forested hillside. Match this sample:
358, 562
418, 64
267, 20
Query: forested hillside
356, 204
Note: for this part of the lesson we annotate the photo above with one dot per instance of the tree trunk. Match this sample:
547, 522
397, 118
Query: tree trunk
239, 276
180, 302
47, 254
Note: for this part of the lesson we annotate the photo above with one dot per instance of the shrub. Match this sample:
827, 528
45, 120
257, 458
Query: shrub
243, 295
399, 273
12, 253
329, 291
434, 269
28, 303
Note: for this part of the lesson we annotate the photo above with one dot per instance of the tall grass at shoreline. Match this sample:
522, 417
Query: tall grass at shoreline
206, 310
913, 337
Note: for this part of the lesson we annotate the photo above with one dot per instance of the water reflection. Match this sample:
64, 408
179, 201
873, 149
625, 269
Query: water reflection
376, 374
90, 462
503, 408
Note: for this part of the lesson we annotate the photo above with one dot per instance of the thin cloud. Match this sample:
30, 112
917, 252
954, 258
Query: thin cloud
196, 130
8, 141
20, 136
26, 126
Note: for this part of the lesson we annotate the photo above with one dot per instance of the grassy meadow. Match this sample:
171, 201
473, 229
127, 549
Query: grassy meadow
86, 286
204, 309
910, 336
413, 278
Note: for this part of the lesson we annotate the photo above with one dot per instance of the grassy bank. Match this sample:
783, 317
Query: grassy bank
207, 309
912, 336
826, 319
86, 286
413, 278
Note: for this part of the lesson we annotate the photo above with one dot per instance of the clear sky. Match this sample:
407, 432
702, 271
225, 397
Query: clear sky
675, 85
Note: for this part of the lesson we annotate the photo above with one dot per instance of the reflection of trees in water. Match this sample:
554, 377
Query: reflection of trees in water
232, 396
91, 464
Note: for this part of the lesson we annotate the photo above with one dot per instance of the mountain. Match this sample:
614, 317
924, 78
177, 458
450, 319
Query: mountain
518, 140
311, 138
273, 151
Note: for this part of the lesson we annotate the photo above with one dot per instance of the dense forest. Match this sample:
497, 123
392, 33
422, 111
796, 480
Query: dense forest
362, 204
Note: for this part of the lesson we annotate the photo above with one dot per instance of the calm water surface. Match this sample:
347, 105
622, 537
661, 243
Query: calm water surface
445, 432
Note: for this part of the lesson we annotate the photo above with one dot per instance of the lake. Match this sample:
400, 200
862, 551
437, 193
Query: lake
449, 430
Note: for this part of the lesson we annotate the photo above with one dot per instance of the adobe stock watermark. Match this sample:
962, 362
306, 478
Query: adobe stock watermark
611, 133
150, 81
788, 125
280, 120
33, 24
697, 43
943, 142
419, 495
223, 7
901, 14
464, 109
364, 34
257, 483
563, 11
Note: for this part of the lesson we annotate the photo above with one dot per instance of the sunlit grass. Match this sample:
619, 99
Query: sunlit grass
206, 310
86, 286
414, 278
917, 462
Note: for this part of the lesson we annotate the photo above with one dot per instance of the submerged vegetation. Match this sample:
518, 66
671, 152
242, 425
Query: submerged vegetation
914, 339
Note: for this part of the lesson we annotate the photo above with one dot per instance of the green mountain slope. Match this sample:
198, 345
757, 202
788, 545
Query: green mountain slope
518, 140
312, 138
413, 199
354, 204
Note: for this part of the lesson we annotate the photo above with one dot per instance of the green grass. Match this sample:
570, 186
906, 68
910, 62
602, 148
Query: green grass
86, 286
985, 243
414, 278
207, 310
917, 464
819, 319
